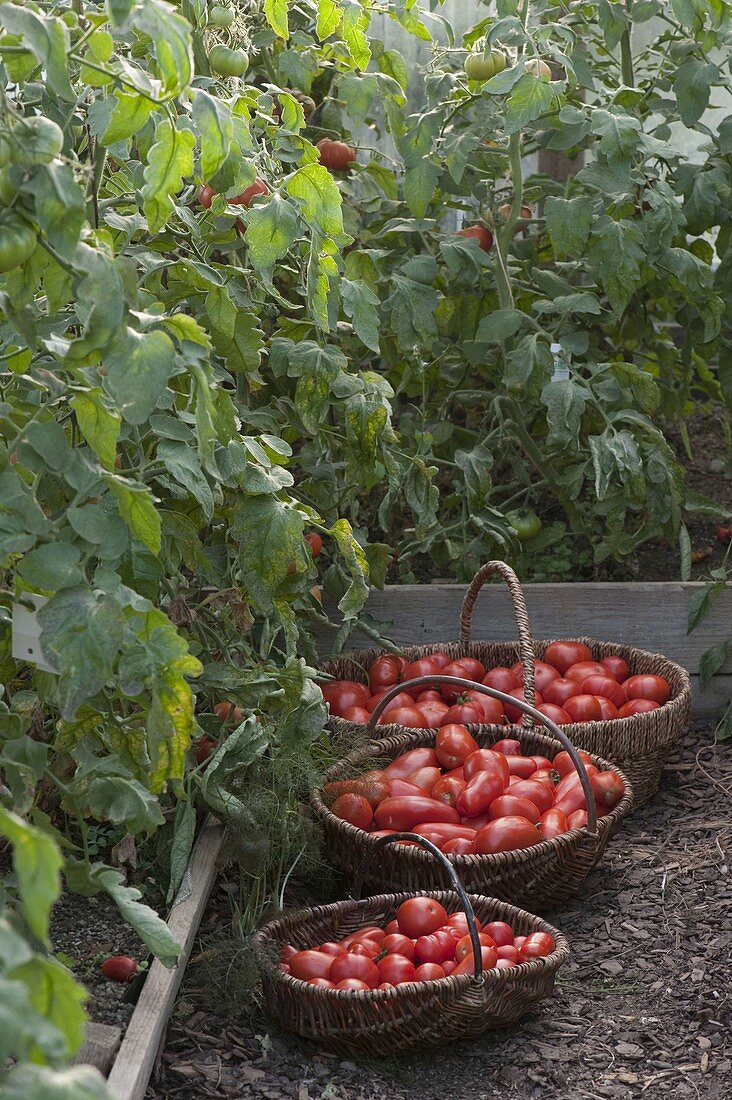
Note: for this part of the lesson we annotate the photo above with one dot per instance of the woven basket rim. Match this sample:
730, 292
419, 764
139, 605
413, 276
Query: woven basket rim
384, 747
460, 982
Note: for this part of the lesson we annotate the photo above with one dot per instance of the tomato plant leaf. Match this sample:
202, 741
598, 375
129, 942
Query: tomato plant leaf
712, 660
124, 801
328, 17
692, 87
152, 930
275, 12
53, 566
99, 426
60, 206
170, 37
137, 370
184, 832
136, 508
131, 112
360, 303
31, 1082
529, 99
569, 222
499, 325
272, 228
48, 38
354, 26
615, 254
169, 160
37, 863
216, 127
56, 996
565, 403
314, 186
270, 536
420, 181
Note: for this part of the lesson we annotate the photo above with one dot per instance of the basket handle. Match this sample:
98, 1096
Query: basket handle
526, 645
449, 870
458, 681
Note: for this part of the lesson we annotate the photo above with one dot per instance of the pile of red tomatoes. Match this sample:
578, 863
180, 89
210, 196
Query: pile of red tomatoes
473, 801
570, 687
422, 944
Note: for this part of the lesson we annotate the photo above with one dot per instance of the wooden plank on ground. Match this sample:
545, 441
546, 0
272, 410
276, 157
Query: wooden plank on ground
134, 1063
101, 1043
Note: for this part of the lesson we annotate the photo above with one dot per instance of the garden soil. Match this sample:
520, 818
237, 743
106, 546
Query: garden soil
642, 1009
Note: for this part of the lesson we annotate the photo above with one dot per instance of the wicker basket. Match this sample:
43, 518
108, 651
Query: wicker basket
639, 745
416, 1014
539, 877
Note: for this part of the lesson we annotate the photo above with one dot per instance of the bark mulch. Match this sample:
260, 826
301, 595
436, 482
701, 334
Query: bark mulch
641, 1010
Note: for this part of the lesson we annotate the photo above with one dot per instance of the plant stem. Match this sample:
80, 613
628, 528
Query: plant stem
543, 464
626, 55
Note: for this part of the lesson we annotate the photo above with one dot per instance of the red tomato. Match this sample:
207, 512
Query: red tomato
492, 708
489, 958
287, 952
385, 985
508, 951
464, 946
459, 922
562, 763
519, 941
425, 778
425, 666
259, 187
336, 156
321, 983
453, 745
355, 809
509, 805
480, 791
408, 762
573, 800
654, 688
578, 819
607, 787
486, 760
312, 538
330, 947
447, 789
119, 968
482, 234
608, 710
369, 931
404, 812
366, 947
354, 966
463, 712
398, 787
397, 944
396, 969
429, 972
558, 715
505, 964
583, 669
458, 846
384, 672
617, 667
543, 674
564, 654
507, 747
441, 659
440, 832
400, 700
392, 928
371, 786
506, 834
637, 706
545, 775
473, 668
537, 946
411, 717
434, 948
539, 793
558, 691
450, 692
569, 782
311, 964
501, 678
501, 934
448, 966
433, 713
205, 747
227, 710
583, 708
606, 687
420, 916
429, 696
356, 714
206, 196
342, 694
513, 713
521, 766
353, 983
553, 823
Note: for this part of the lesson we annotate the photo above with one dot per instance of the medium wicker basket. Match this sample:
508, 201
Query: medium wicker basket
639, 745
539, 877
413, 1015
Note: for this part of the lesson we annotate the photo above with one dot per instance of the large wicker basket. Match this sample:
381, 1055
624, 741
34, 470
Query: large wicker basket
416, 1014
639, 745
539, 877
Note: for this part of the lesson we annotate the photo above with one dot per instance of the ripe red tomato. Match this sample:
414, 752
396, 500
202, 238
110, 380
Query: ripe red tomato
507, 746
205, 747
411, 717
448, 966
206, 196
543, 674
336, 156
573, 800
583, 669
578, 819
480, 791
654, 688
441, 659
434, 948
287, 951
506, 834
558, 691
450, 692
474, 669
562, 762
492, 708
453, 745
605, 687
460, 713
424, 666
312, 538
447, 789
501, 934
558, 715
486, 760
259, 187
366, 947
464, 945
459, 922
321, 983
430, 696
384, 672
553, 823
508, 951
607, 787
355, 809
330, 947
408, 762
356, 714
441, 831
119, 968
509, 805
501, 678
369, 931
521, 766
489, 958
429, 972
392, 928
398, 787
537, 946
312, 964
425, 778
402, 699
397, 944
541, 794
458, 846
583, 708
513, 713
404, 812
637, 706
482, 234
420, 916
433, 713
227, 711
564, 654
353, 983
572, 780
617, 667
353, 966
608, 710
396, 969
342, 694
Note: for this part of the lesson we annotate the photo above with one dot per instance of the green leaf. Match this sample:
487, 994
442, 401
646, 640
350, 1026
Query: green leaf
420, 181
619, 132
97, 424
184, 465
37, 862
700, 603
392, 64
360, 303
184, 832
275, 12
138, 366
60, 206
271, 229
613, 20
565, 403
124, 801
530, 98
358, 569
354, 26
153, 931
137, 509
499, 325
357, 91
615, 254
215, 125
170, 38
53, 566
270, 536
314, 186
712, 661
56, 996
569, 222
685, 552
531, 357
29, 1082
169, 160
120, 11
48, 38
328, 18
131, 112
692, 88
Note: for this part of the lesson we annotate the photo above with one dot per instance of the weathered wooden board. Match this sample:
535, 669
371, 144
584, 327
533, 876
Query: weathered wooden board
652, 616
134, 1063
101, 1043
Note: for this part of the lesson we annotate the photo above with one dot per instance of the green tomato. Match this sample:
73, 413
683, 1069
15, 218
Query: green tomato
219, 16
70, 18
527, 525
35, 140
539, 69
227, 62
17, 242
7, 190
478, 66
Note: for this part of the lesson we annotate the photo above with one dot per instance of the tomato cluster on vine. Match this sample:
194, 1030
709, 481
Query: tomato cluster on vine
421, 944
